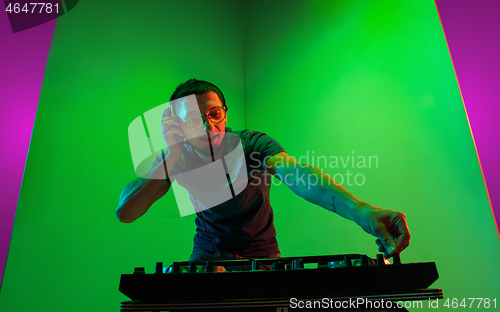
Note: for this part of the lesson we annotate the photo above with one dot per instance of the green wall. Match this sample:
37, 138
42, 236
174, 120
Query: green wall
337, 78
373, 78
109, 62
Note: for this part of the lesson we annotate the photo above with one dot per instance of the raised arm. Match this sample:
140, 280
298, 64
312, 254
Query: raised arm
138, 196
317, 187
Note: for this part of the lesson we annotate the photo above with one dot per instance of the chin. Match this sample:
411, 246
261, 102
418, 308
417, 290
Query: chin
202, 145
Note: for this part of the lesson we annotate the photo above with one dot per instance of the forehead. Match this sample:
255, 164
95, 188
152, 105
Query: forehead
208, 99
199, 103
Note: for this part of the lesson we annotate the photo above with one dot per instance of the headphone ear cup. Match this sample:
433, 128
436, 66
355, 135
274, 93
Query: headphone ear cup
169, 110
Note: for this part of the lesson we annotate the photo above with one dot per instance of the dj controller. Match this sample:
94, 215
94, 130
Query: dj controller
278, 284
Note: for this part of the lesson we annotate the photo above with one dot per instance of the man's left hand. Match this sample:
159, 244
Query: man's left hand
388, 226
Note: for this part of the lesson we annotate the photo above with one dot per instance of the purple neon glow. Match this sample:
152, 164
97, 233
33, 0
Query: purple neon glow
471, 30
24, 56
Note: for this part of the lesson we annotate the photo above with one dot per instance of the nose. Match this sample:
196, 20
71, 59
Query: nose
209, 126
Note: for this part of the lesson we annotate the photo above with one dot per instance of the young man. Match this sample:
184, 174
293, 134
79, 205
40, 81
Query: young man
197, 140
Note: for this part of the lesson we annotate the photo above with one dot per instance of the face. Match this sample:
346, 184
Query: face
202, 105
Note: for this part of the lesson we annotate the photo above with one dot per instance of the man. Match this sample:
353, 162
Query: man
196, 137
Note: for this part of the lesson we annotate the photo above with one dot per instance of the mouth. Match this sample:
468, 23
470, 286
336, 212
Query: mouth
206, 138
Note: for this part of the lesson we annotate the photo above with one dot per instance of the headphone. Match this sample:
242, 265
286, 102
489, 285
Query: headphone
191, 81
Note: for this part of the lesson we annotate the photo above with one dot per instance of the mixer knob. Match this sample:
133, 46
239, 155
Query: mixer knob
380, 259
209, 266
159, 268
297, 264
278, 265
192, 267
175, 267
139, 270
363, 260
347, 261
255, 265
396, 259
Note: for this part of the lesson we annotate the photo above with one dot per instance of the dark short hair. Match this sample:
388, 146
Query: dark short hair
195, 86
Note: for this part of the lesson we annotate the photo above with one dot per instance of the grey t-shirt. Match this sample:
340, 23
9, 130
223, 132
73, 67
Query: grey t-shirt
243, 223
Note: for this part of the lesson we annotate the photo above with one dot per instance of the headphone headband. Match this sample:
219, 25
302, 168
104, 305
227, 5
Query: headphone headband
197, 81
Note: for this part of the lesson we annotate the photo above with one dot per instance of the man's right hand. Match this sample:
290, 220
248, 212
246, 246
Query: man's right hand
172, 135
141, 193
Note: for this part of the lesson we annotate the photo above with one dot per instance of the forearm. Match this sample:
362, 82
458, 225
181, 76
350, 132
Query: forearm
387, 225
138, 196
319, 188
315, 186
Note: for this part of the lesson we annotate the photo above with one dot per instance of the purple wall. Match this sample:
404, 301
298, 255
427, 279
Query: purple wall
23, 58
471, 29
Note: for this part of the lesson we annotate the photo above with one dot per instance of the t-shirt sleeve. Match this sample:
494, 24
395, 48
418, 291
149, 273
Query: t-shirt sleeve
262, 147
